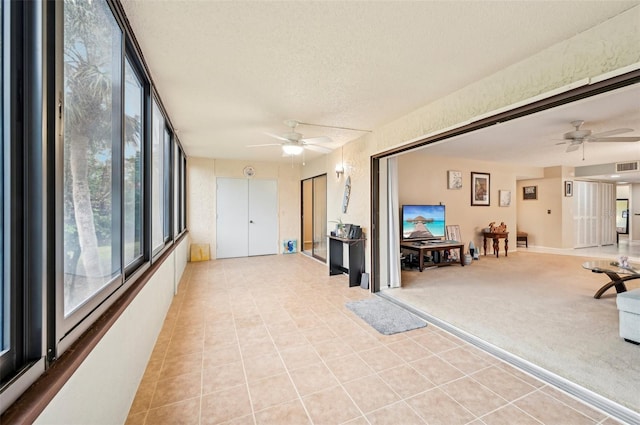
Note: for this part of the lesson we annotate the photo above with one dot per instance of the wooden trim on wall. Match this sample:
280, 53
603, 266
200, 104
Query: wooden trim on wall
38, 396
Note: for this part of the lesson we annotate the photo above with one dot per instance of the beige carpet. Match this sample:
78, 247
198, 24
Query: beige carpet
539, 307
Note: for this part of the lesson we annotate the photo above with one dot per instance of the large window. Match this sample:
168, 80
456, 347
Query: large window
86, 178
133, 177
92, 40
182, 198
157, 177
166, 223
179, 189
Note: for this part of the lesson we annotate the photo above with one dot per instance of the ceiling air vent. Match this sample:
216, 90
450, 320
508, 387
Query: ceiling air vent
622, 167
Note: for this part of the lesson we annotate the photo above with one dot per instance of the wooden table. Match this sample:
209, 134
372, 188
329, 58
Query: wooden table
424, 247
496, 236
613, 271
356, 258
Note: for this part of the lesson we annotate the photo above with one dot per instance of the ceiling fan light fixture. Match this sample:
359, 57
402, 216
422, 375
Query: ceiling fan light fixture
292, 149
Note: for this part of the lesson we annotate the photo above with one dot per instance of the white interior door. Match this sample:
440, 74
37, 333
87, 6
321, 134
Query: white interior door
263, 217
608, 214
232, 208
585, 208
247, 217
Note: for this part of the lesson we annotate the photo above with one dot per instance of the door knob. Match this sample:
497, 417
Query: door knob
251, 221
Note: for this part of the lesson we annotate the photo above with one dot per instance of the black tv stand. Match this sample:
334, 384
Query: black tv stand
356, 258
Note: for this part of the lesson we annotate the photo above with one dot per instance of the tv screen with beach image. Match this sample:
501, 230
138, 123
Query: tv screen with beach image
423, 222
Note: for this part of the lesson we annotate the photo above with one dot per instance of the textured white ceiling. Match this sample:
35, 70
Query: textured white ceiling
228, 72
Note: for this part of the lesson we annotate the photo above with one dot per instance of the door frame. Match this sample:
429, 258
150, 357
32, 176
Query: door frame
313, 218
553, 101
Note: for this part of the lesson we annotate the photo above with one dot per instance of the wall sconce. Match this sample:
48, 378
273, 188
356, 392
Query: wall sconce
340, 166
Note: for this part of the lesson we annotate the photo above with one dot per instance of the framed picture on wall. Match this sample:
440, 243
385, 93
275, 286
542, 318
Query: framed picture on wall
530, 192
505, 198
480, 188
568, 188
454, 179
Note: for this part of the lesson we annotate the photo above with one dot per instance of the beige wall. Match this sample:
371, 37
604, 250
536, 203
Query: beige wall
548, 220
422, 179
201, 180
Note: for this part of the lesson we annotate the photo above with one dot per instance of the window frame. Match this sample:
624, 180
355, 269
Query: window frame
69, 324
32, 159
167, 225
140, 260
24, 212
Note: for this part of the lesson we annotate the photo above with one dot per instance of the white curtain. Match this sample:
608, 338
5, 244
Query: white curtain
394, 223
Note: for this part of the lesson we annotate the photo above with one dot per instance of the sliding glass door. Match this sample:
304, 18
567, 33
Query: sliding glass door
314, 217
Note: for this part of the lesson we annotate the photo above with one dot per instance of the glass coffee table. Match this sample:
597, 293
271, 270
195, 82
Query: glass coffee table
618, 275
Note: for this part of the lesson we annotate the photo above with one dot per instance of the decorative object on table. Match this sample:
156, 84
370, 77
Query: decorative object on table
289, 246
497, 229
529, 192
454, 179
568, 188
505, 198
385, 316
480, 189
452, 233
623, 261
347, 194
340, 228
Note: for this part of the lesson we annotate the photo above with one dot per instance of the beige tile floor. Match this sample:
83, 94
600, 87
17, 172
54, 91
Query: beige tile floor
268, 340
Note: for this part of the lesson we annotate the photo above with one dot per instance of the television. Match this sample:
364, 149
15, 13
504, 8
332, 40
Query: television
423, 222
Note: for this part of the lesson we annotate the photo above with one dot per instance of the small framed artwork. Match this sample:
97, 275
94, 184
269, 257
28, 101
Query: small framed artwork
568, 188
480, 189
454, 179
505, 198
530, 192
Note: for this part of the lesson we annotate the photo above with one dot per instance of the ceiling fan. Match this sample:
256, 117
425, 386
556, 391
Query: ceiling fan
578, 136
293, 142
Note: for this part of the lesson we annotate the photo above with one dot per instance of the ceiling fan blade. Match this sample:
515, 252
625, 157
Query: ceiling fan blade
616, 139
573, 147
610, 133
317, 148
275, 136
268, 144
316, 140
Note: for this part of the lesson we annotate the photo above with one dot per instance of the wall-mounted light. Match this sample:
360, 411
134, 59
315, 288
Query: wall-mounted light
340, 166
